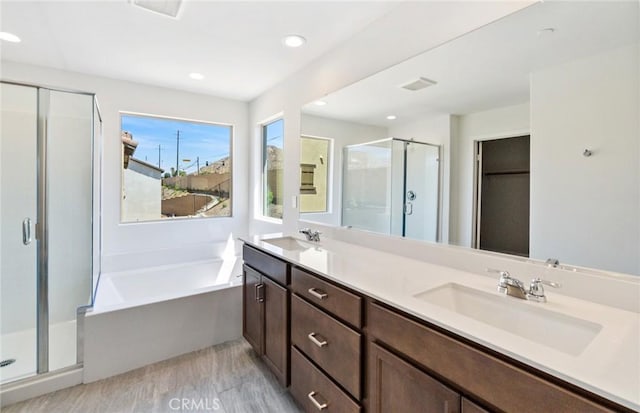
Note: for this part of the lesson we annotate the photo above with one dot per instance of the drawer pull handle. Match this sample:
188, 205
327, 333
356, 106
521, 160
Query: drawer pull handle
312, 397
260, 293
314, 340
319, 294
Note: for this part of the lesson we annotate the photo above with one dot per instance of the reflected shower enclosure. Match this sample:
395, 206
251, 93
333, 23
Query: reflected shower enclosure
49, 203
392, 186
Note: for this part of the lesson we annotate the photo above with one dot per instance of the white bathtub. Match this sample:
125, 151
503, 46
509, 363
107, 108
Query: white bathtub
132, 288
147, 315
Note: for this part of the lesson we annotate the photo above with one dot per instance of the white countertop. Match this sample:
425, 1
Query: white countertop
609, 366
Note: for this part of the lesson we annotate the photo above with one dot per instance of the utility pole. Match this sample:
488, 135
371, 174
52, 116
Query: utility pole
159, 149
198, 163
177, 152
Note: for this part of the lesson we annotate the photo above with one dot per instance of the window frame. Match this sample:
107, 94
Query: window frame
262, 212
232, 135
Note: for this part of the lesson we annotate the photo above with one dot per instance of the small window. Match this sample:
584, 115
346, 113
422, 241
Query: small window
273, 169
174, 168
314, 174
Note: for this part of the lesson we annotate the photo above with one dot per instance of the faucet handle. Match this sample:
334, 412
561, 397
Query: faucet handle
504, 279
304, 230
536, 290
539, 281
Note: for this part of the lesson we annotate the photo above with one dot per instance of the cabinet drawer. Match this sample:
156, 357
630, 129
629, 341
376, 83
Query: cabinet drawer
308, 384
331, 344
266, 264
397, 386
499, 384
334, 299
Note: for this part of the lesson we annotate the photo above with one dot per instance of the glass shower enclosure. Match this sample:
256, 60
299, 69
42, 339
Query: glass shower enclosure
392, 186
50, 236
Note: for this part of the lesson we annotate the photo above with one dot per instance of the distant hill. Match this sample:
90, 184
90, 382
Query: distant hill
220, 166
223, 165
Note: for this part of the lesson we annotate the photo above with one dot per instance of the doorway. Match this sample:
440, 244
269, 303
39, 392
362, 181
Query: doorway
502, 195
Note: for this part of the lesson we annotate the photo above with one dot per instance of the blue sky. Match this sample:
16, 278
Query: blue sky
275, 133
207, 141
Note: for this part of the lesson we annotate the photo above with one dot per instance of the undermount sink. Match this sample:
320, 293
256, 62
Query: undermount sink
289, 243
564, 333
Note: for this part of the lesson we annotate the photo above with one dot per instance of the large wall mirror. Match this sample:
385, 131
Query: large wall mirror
522, 137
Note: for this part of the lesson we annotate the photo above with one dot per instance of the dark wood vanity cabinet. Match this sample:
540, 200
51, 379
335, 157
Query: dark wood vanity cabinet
493, 381
253, 308
397, 386
265, 316
350, 353
326, 345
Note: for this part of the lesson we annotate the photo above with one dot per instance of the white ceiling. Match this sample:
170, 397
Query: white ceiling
489, 67
235, 44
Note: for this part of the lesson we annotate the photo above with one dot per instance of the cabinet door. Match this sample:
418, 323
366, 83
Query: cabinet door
276, 332
253, 308
397, 386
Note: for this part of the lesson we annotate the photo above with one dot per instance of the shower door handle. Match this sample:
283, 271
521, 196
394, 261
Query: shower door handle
26, 231
408, 208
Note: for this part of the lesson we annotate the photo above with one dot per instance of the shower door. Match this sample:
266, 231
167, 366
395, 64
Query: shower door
47, 226
392, 186
18, 215
421, 191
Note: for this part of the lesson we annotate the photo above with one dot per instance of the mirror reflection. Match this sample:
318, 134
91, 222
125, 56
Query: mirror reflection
532, 124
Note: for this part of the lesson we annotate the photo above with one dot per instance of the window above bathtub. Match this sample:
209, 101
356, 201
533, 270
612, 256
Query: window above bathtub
174, 168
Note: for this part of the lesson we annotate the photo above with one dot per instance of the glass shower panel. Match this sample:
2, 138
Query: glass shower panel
18, 213
422, 183
70, 219
367, 181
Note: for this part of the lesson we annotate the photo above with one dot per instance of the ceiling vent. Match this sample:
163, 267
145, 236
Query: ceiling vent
420, 83
169, 8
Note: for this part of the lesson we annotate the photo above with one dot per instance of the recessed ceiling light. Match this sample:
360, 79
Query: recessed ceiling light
196, 76
9, 37
392, 117
320, 103
294, 40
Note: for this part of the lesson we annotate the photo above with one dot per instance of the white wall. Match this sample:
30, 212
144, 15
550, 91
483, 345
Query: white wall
409, 29
591, 103
433, 128
115, 96
343, 133
491, 124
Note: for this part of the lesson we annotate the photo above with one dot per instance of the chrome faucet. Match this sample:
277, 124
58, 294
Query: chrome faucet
514, 287
311, 235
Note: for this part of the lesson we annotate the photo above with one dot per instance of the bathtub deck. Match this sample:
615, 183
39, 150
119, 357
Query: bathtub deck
229, 372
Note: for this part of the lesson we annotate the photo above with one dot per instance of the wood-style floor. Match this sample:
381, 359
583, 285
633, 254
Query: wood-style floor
227, 378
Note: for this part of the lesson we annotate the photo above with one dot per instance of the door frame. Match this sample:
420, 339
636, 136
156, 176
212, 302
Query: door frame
477, 181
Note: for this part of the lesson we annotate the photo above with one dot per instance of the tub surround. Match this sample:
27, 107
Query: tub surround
142, 316
607, 365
